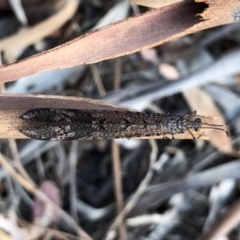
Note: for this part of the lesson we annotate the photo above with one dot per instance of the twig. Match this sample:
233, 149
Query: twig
32, 188
19, 11
117, 73
210, 159
98, 80
72, 172
118, 186
57, 233
17, 162
226, 66
224, 225
141, 189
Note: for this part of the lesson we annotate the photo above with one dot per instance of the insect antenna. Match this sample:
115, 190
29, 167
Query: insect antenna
214, 126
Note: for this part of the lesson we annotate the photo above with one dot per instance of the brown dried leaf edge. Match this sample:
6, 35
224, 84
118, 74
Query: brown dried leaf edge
128, 36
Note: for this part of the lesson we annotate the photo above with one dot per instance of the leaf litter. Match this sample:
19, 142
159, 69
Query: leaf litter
177, 201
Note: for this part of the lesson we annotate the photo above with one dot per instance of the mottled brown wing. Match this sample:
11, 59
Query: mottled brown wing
53, 115
70, 124
86, 131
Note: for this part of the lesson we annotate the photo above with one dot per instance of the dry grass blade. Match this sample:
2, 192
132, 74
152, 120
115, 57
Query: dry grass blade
156, 194
14, 45
37, 193
224, 225
19, 11
43, 29
136, 196
118, 186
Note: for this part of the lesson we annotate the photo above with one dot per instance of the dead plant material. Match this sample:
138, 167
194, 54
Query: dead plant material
128, 36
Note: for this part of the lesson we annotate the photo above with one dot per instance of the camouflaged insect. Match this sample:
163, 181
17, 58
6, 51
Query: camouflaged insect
71, 124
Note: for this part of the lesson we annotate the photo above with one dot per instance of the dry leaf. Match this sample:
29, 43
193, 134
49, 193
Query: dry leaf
14, 45
200, 101
141, 32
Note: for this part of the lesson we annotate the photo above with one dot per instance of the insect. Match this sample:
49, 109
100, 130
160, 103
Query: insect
70, 124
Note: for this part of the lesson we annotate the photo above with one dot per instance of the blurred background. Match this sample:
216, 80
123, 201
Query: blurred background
173, 189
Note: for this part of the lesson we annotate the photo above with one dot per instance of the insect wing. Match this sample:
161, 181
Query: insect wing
48, 115
57, 132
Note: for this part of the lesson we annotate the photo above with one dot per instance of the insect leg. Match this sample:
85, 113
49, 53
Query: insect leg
164, 136
192, 134
172, 134
199, 135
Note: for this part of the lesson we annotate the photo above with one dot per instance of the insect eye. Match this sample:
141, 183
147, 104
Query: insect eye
197, 124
